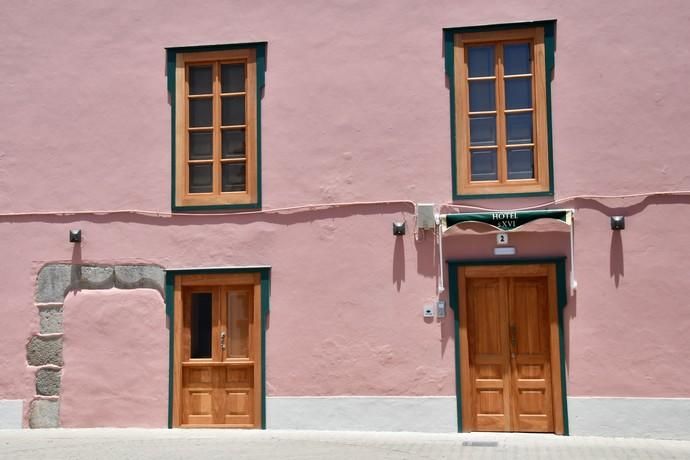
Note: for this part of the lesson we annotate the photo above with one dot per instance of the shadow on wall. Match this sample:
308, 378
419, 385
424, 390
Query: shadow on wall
398, 262
617, 266
286, 218
616, 261
426, 247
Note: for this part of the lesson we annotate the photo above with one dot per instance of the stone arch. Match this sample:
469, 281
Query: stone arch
44, 350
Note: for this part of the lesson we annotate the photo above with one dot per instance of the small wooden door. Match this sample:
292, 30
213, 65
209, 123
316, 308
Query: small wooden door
511, 360
217, 351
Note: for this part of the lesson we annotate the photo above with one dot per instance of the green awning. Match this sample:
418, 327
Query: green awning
505, 221
508, 220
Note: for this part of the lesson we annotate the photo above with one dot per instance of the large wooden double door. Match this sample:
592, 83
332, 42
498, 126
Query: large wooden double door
510, 354
217, 351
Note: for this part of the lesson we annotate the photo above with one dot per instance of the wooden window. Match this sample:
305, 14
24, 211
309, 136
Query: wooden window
216, 128
501, 119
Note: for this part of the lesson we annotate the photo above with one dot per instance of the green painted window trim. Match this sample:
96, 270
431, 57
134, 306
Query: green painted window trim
170, 58
265, 280
562, 300
549, 27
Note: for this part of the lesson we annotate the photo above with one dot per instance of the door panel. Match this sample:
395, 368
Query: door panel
488, 356
507, 325
217, 353
530, 354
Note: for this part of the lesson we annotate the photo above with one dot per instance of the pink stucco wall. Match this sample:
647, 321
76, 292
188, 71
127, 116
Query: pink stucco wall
356, 107
116, 360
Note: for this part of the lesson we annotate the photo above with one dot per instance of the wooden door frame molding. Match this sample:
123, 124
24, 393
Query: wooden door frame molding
561, 299
263, 272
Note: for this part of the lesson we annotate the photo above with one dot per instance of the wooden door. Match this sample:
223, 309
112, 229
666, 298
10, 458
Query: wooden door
509, 334
217, 353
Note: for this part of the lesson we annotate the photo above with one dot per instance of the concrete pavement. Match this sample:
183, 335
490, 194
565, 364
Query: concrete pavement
321, 445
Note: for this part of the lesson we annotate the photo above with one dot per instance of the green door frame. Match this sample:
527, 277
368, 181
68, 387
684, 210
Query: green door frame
562, 299
264, 273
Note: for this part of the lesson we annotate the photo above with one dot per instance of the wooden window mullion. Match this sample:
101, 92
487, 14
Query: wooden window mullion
535, 135
216, 128
501, 155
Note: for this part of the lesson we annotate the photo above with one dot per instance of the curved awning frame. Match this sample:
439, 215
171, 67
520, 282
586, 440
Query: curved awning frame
507, 221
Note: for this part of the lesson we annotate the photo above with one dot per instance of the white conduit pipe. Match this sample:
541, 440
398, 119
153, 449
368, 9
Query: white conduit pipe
573, 280
439, 232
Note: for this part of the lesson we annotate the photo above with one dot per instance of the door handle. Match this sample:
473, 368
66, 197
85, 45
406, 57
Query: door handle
222, 340
513, 340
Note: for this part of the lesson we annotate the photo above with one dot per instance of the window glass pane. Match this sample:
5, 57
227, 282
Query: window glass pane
234, 177
519, 127
200, 79
201, 325
482, 95
239, 322
519, 93
232, 108
232, 144
480, 60
520, 163
200, 112
483, 130
200, 178
200, 145
232, 78
516, 59
483, 165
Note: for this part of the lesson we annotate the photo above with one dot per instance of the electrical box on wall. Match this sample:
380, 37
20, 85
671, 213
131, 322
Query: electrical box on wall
426, 220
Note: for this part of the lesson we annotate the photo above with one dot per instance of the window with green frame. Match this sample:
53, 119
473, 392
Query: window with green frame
215, 93
500, 101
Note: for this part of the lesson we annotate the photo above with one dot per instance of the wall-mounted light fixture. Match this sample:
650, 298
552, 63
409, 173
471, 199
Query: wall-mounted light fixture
398, 228
75, 236
617, 222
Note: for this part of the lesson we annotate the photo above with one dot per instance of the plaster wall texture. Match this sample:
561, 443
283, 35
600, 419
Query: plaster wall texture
355, 90
356, 107
116, 360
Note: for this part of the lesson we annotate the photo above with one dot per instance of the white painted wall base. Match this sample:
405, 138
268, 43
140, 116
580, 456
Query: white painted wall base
11, 412
660, 418
363, 413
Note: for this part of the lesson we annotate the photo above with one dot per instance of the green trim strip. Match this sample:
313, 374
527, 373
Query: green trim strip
507, 220
454, 300
171, 57
562, 302
562, 299
265, 275
449, 65
169, 309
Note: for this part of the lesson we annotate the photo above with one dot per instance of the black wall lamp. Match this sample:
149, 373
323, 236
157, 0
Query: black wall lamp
75, 236
617, 222
398, 228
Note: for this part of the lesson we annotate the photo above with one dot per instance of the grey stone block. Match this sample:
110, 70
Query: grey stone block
51, 319
54, 280
44, 413
44, 350
140, 276
94, 276
48, 382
